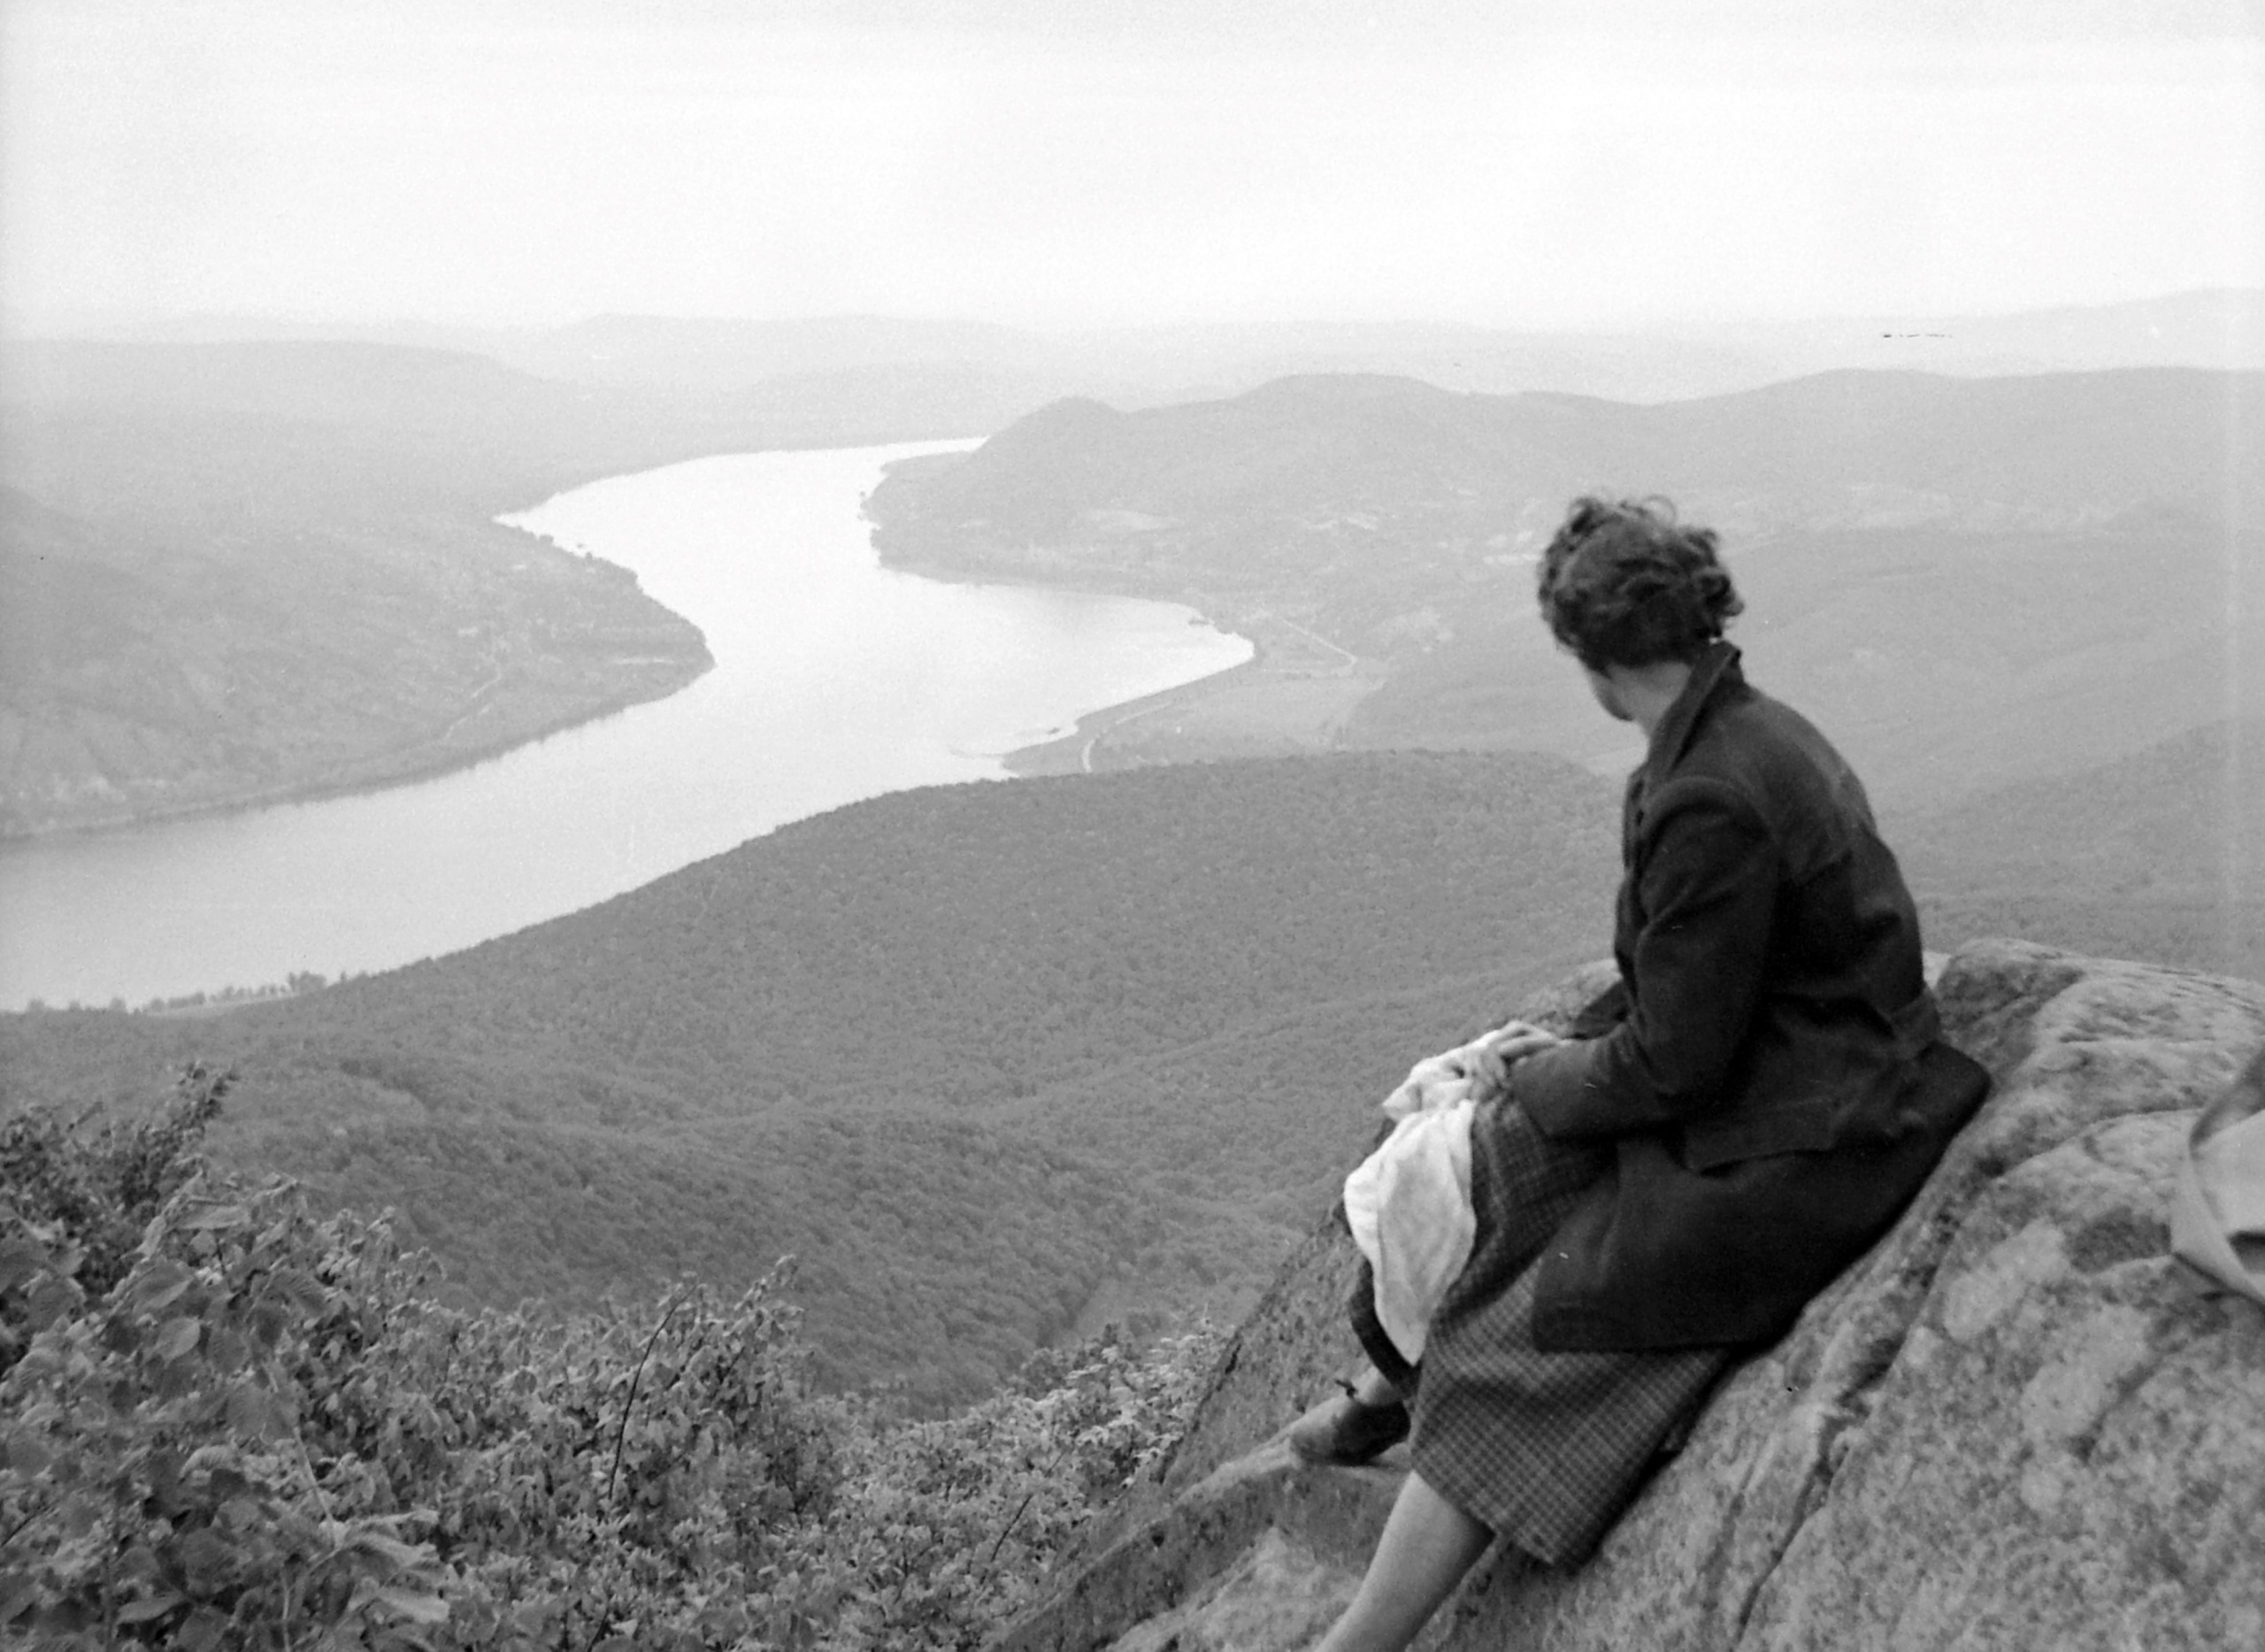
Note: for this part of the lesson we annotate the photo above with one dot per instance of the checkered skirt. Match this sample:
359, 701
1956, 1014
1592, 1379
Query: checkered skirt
1543, 1448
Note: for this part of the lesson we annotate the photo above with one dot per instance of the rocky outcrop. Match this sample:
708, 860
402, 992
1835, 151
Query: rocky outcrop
2017, 1423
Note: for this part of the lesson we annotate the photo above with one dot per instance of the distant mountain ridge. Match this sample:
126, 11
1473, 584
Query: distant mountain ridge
2211, 327
2221, 328
213, 439
1840, 449
2062, 547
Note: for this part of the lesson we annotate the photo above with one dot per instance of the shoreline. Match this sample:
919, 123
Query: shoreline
199, 826
408, 767
382, 773
1065, 753
1072, 753
1297, 693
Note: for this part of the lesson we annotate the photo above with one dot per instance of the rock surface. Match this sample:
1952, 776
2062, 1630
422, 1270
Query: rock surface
2017, 1423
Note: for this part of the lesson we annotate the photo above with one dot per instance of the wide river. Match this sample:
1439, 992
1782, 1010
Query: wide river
836, 679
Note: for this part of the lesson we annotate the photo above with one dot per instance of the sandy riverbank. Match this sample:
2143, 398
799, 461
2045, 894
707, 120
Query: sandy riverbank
1297, 693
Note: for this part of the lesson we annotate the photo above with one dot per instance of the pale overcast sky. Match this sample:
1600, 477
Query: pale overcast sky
1601, 163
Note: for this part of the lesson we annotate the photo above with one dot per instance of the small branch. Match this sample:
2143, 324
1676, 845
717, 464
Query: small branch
1000, 1542
621, 1434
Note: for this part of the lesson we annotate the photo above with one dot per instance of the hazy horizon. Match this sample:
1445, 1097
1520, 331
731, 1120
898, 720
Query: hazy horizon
211, 324
1615, 167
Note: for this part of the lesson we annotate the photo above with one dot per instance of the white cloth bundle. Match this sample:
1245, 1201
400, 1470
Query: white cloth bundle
1409, 1204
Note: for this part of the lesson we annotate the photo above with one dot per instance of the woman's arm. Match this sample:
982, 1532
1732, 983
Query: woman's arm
1706, 877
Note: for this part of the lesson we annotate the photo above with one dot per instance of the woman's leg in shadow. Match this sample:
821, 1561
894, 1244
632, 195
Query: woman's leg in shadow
1371, 1387
1427, 1545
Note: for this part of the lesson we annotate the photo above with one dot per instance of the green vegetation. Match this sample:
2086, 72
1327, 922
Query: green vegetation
990, 1060
237, 572
1362, 500
998, 1062
2160, 856
1967, 583
248, 1428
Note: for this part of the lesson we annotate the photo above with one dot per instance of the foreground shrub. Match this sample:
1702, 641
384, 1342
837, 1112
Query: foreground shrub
254, 1428
96, 1189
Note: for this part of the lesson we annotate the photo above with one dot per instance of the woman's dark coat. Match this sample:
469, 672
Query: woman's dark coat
1774, 1084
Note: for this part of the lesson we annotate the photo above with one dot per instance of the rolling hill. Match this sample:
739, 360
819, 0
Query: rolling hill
2070, 552
993, 1060
236, 572
2219, 329
977, 1055
2159, 856
242, 570
997, 1061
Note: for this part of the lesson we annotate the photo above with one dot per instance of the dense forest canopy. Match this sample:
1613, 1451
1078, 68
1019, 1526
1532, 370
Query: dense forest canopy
997, 1062
972, 1053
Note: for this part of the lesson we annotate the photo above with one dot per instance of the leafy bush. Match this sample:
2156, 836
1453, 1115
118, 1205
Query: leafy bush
163, 1483
945, 1526
101, 1189
253, 1428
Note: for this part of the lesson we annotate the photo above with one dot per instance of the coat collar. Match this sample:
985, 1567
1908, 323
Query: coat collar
1715, 670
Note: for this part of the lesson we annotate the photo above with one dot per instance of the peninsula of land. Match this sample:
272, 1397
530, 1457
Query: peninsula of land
241, 574
1375, 537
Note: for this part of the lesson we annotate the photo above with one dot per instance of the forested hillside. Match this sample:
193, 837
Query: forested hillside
233, 572
999, 1062
243, 572
2160, 856
1969, 581
980, 1057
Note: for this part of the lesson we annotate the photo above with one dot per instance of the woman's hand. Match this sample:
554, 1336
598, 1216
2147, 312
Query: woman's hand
1493, 1055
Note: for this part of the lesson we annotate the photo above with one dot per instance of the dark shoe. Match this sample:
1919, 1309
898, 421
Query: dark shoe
1348, 1430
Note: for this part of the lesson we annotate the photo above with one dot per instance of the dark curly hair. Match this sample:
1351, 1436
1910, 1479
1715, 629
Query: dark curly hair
1624, 583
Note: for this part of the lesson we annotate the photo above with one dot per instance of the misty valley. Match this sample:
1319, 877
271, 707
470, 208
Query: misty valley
832, 679
845, 826
1012, 1071
2012, 601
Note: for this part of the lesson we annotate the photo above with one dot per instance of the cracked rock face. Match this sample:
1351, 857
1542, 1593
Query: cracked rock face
2016, 1423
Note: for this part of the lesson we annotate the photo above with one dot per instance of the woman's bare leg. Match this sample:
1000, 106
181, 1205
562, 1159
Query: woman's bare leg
1428, 1544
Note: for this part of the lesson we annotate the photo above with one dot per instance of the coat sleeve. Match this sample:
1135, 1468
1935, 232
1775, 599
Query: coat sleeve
1705, 873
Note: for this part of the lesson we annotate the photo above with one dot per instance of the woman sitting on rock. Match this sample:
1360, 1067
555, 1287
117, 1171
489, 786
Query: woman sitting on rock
1748, 1111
